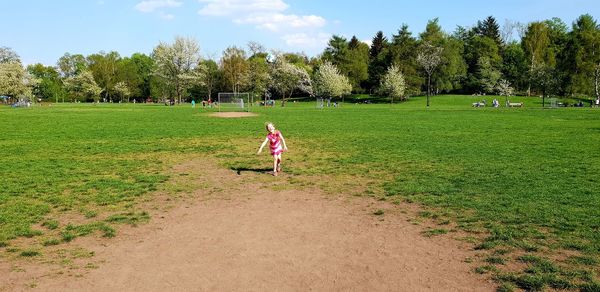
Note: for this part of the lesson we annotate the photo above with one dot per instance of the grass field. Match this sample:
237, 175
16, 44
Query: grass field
523, 183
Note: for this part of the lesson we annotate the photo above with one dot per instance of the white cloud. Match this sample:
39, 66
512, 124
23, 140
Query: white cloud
278, 21
235, 7
368, 42
152, 5
306, 40
299, 31
264, 14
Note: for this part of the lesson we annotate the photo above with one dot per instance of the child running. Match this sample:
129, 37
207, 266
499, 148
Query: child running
275, 139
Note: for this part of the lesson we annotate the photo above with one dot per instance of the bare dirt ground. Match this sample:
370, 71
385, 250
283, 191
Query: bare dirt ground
233, 114
252, 237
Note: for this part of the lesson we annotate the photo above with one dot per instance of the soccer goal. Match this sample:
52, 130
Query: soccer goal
326, 102
234, 101
320, 102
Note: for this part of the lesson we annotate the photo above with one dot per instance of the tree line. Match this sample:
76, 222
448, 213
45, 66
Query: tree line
538, 58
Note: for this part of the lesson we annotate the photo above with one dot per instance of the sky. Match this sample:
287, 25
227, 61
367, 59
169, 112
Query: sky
41, 31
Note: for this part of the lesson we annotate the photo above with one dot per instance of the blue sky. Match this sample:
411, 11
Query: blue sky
42, 31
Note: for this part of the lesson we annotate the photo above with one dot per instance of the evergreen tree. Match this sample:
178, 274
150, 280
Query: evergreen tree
584, 53
433, 33
489, 28
358, 66
378, 59
514, 66
354, 42
403, 54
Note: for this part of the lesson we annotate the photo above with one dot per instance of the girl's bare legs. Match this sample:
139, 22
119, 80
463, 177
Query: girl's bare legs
275, 164
279, 163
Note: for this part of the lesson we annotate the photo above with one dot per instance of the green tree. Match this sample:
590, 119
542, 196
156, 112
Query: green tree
358, 64
258, 74
127, 72
235, 67
536, 42
49, 86
104, 68
514, 65
585, 53
433, 33
299, 60
378, 59
144, 67
489, 28
212, 76
403, 54
478, 48
452, 70
70, 65
337, 53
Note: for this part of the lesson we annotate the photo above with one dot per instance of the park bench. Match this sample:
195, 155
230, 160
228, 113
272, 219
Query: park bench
479, 104
515, 104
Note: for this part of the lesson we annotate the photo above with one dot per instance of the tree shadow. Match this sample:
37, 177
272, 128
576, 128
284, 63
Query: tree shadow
239, 170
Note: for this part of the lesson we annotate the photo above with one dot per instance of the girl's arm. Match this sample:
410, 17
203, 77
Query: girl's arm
283, 141
262, 146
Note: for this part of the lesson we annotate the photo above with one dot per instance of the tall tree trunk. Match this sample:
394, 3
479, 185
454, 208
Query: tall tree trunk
178, 92
597, 81
428, 88
544, 98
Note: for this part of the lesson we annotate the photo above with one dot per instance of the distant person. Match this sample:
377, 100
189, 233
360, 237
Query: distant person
495, 103
193, 103
276, 141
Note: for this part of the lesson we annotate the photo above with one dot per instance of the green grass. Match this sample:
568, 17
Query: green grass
526, 179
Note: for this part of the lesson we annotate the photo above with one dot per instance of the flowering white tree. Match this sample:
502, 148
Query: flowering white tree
328, 82
429, 57
122, 90
393, 84
503, 88
287, 78
15, 81
175, 64
8, 55
83, 86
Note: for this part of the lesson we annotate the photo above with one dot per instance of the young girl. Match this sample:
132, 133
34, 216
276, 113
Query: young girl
275, 139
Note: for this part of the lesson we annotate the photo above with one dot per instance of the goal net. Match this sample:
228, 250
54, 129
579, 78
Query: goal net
320, 102
230, 101
326, 102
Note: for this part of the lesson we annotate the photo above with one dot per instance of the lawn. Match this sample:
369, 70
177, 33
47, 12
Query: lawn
522, 182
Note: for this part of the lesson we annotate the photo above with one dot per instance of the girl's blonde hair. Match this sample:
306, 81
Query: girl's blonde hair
267, 125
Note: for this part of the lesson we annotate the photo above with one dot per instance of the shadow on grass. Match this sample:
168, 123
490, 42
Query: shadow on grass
239, 170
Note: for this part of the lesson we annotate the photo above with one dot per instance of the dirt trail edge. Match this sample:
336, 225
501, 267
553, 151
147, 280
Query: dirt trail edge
255, 238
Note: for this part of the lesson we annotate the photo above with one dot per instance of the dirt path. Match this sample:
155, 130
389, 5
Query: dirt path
259, 239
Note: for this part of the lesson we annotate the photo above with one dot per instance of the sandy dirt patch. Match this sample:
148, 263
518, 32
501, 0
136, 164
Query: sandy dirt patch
256, 238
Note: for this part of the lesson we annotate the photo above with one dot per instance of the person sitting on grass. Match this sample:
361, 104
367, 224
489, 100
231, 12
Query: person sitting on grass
275, 140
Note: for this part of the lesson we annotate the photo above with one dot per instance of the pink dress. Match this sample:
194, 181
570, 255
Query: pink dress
275, 143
